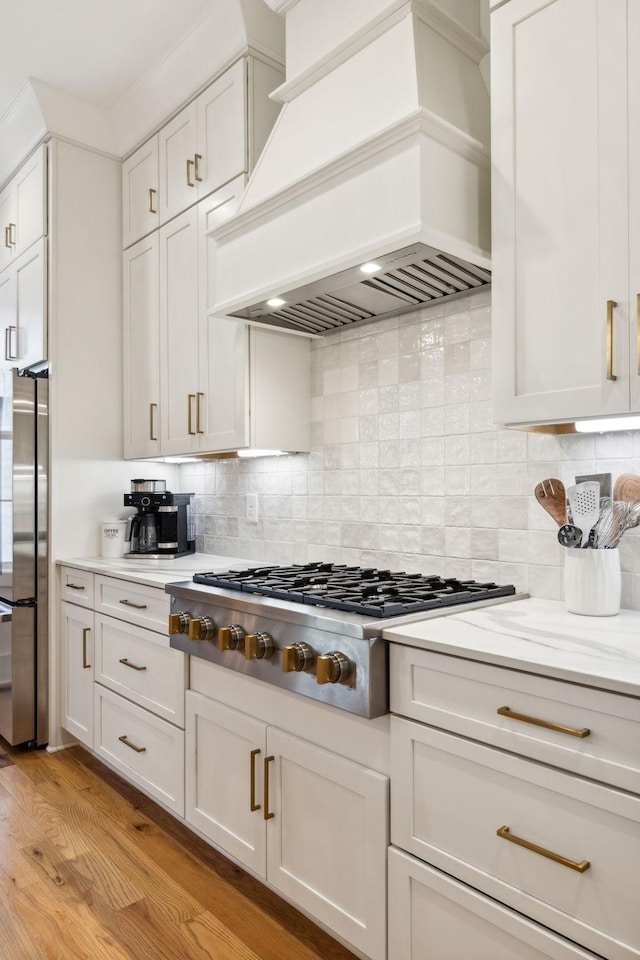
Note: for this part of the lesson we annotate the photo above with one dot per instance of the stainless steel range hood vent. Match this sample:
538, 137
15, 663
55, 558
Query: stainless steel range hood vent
406, 279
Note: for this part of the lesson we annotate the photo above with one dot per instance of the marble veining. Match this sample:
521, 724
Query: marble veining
539, 636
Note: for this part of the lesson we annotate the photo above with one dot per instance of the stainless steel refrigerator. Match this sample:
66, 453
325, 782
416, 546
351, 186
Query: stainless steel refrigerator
24, 455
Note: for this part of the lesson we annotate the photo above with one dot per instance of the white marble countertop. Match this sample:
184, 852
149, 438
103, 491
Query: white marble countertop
156, 573
538, 636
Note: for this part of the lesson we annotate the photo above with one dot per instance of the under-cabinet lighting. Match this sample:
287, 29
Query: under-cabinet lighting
262, 453
370, 267
606, 424
276, 302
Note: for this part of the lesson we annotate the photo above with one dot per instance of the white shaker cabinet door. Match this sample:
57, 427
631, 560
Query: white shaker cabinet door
181, 416
633, 21
327, 838
224, 344
222, 129
225, 753
31, 307
560, 210
140, 193
141, 279
77, 670
177, 148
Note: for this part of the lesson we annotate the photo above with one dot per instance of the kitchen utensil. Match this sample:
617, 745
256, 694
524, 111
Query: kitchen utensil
604, 479
630, 520
609, 526
148, 486
570, 535
551, 495
584, 501
627, 487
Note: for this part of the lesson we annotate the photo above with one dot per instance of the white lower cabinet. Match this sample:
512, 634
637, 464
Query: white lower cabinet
311, 823
434, 917
148, 751
497, 850
123, 685
77, 671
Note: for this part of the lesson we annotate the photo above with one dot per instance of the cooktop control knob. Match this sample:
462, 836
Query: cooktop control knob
230, 637
201, 628
296, 656
178, 623
258, 646
333, 667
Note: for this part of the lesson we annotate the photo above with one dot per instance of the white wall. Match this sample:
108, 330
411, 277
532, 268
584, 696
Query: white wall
408, 470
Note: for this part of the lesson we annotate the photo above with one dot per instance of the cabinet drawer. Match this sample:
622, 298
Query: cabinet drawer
146, 750
451, 797
77, 586
134, 602
433, 916
141, 665
464, 696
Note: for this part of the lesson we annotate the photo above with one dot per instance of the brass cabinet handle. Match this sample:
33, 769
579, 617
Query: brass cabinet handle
7, 237
196, 173
152, 194
85, 632
137, 606
190, 398
505, 834
74, 586
12, 239
266, 814
190, 163
125, 739
253, 805
558, 727
610, 305
128, 663
153, 410
199, 397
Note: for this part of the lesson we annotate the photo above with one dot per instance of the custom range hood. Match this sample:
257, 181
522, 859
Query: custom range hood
378, 160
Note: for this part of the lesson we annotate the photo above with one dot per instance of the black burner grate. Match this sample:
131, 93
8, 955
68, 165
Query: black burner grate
374, 593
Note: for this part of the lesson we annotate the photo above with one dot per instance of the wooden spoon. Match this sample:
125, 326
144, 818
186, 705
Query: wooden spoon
627, 487
551, 495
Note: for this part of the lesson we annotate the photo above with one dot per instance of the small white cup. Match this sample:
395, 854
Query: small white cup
592, 582
113, 538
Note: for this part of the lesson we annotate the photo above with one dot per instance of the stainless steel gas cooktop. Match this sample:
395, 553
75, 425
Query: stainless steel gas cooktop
316, 628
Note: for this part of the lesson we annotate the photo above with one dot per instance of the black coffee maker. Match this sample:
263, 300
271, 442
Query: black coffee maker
163, 526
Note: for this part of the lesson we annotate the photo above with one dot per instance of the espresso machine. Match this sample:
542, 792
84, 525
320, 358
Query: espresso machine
162, 528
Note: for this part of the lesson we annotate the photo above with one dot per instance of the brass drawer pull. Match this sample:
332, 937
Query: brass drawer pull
124, 739
75, 586
190, 163
190, 430
85, 664
137, 606
505, 834
152, 194
199, 397
128, 663
266, 814
610, 305
253, 805
196, 172
558, 727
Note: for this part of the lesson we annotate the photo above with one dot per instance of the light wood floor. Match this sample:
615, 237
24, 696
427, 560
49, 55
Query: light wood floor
91, 868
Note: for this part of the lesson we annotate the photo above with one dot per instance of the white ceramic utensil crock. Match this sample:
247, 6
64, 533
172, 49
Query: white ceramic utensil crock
592, 582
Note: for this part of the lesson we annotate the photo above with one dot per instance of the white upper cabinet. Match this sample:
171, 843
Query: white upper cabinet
23, 308
565, 322
140, 193
141, 282
214, 139
23, 208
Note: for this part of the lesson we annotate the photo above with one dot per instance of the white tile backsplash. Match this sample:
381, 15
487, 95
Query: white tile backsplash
407, 469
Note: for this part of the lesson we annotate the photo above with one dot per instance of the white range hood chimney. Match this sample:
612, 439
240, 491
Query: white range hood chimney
379, 156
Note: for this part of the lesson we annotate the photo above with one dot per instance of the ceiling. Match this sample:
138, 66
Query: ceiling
94, 49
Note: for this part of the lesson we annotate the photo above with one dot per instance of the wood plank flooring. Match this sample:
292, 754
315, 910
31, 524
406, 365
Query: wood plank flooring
92, 868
